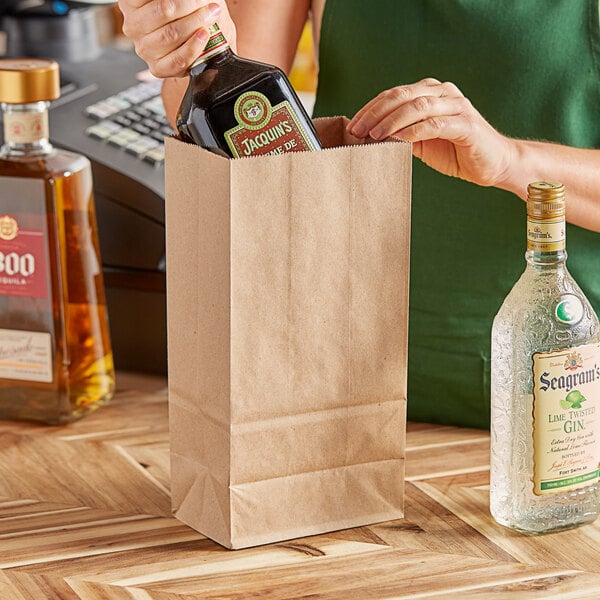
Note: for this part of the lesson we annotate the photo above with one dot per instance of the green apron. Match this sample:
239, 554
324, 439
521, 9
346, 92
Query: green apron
532, 68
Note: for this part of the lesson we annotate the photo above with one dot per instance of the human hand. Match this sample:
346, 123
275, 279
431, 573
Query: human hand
170, 34
447, 132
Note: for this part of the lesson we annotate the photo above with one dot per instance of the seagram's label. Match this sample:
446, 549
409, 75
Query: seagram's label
265, 129
546, 235
566, 426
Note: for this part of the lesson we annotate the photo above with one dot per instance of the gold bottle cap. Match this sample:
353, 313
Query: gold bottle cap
24, 80
546, 199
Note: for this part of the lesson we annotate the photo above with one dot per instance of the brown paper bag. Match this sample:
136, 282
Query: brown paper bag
287, 337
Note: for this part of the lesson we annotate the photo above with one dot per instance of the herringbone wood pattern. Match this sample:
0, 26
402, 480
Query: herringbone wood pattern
85, 514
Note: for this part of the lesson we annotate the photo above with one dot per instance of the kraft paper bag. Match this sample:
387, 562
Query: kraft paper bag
287, 337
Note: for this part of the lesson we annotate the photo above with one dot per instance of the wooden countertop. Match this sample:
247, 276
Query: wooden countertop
85, 513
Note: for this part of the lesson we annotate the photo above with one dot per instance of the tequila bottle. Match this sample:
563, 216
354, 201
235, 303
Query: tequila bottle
545, 385
241, 107
56, 362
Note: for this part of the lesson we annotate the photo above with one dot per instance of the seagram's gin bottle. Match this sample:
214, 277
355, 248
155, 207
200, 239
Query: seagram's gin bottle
545, 394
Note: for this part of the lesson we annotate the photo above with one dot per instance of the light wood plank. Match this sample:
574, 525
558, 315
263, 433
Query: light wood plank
575, 548
85, 514
104, 537
78, 474
378, 575
468, 456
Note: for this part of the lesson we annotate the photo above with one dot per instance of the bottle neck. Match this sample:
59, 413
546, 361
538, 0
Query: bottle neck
26, 129
217, 46
546, 241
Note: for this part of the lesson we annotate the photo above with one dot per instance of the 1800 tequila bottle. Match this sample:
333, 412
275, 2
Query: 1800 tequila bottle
545, 415
56, 362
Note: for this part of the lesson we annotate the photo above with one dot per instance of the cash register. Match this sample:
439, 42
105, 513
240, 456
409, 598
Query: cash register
110, 111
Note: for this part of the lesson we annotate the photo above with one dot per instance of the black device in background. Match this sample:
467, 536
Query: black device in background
107, 113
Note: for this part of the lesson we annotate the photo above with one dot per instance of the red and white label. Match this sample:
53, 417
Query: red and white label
264, 129
22, 260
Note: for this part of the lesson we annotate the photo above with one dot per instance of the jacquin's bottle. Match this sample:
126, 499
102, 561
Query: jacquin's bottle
241, 107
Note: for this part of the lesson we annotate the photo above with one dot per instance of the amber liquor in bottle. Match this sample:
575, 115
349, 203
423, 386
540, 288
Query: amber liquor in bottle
242, 107
56, 362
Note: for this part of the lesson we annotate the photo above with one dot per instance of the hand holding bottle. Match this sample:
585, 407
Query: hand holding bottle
169, 36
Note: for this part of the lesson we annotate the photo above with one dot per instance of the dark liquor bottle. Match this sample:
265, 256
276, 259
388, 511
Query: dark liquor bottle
56, 362
242, 107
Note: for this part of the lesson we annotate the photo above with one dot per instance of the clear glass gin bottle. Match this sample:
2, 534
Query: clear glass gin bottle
545, 415
56, 362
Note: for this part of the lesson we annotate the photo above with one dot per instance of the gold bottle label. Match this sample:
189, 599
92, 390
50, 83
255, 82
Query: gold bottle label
566, 427
264, 129
547, 235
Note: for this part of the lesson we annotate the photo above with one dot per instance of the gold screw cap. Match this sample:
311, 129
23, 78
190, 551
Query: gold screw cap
24, 80
546, 199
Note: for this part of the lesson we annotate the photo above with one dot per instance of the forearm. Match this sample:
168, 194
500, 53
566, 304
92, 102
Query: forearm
269, 31
577, 168
173, 90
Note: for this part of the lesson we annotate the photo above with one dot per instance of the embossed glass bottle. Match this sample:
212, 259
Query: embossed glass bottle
545, 392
